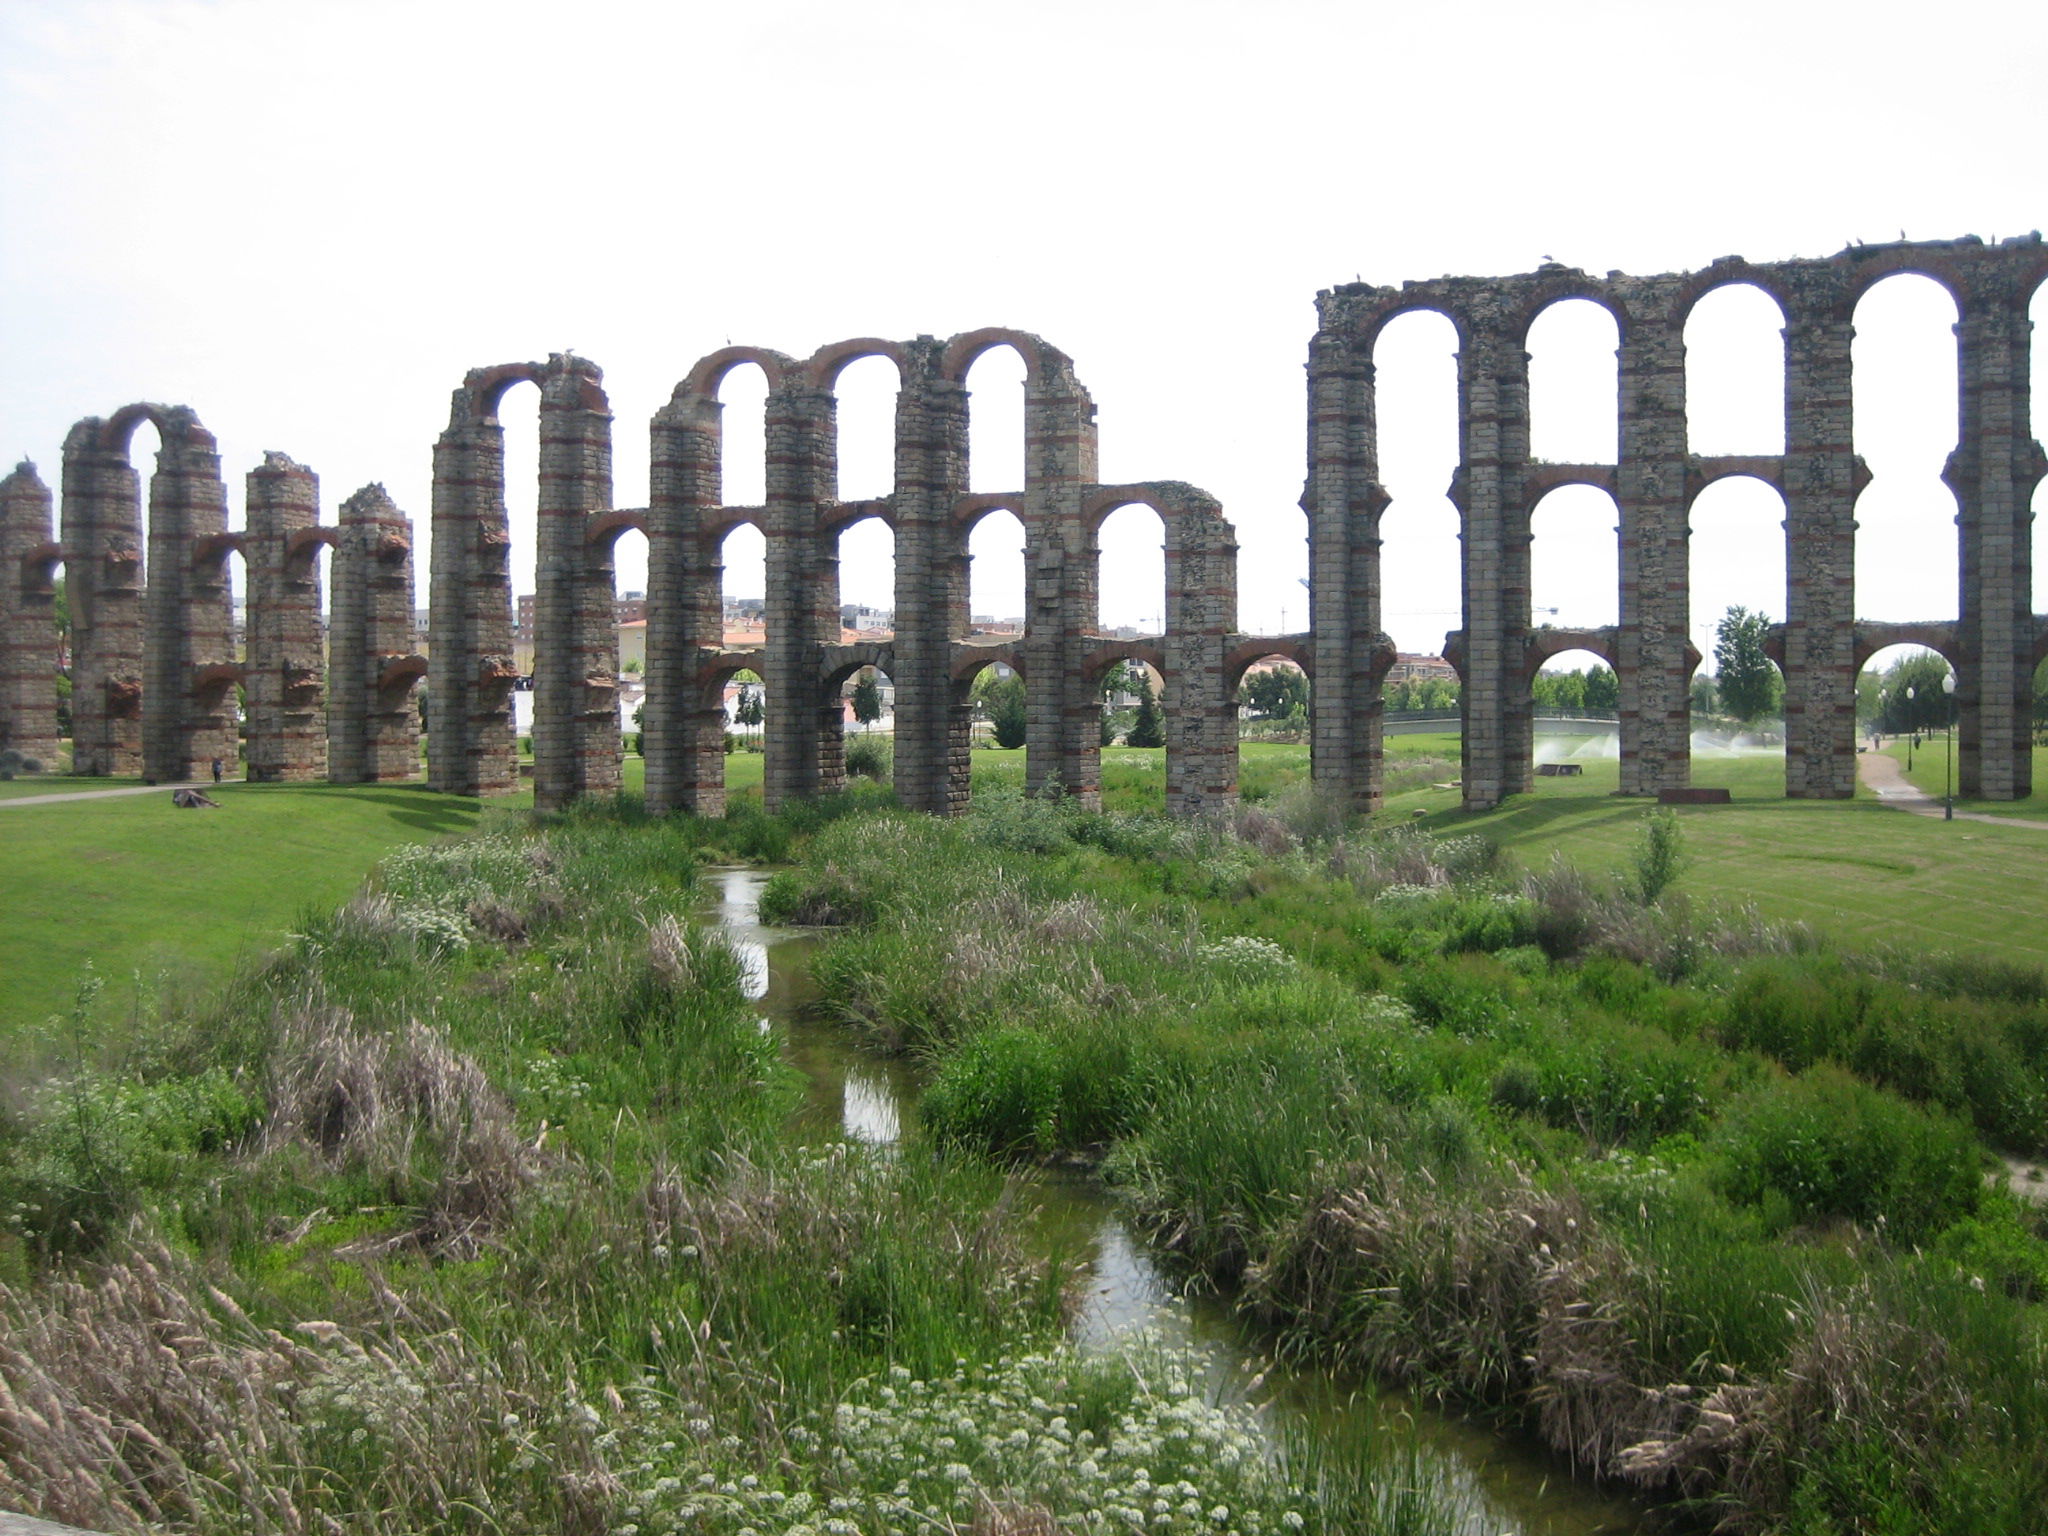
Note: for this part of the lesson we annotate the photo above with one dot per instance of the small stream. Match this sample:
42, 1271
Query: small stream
1510, 1485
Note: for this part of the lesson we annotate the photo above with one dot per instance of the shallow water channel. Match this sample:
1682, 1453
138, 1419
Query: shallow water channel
856, 1095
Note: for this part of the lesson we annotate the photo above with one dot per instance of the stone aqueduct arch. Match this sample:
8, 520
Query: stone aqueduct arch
1995, 644
152, 664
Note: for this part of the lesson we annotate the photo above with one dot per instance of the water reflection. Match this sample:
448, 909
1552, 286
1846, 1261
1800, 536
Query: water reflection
1508, 1485
868, 1111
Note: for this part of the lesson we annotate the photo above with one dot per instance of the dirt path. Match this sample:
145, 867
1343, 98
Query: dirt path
1887, 780
15, 802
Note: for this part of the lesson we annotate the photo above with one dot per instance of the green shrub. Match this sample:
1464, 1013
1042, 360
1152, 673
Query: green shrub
1825, 1145
2001, 1247
1451, 996
1016, 1091
92, 1149
1615, 1083
871, 757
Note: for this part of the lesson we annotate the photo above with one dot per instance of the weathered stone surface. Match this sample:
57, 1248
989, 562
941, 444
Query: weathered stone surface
153, 671
1994, 647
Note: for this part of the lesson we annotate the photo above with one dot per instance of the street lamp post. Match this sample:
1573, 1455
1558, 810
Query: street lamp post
1948, 756
1912, 725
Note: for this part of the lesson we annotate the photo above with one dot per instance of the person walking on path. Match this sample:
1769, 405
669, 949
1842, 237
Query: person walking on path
216, 770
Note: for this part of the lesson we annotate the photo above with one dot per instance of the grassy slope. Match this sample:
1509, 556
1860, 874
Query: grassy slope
1930, 776
1855, 869
135, 884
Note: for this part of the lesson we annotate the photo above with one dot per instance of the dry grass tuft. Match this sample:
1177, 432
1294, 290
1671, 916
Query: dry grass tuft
146, 1397
408, 1110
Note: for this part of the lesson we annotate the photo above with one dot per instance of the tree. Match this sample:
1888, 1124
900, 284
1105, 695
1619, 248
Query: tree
749, 708
1004, 699
1928, 708
1603, 688
1274, 693
867, 699
1749, 685
1148, 730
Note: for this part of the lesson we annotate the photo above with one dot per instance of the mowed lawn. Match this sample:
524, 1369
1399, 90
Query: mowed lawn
138, 887
1853, 869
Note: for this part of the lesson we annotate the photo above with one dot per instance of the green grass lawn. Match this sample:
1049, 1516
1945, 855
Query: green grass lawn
1930, 776
56, 784
143, 889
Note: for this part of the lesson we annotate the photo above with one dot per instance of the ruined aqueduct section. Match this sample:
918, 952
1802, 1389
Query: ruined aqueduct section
153, 666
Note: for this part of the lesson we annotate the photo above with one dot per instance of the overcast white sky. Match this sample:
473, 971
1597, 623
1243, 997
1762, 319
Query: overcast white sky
307, 219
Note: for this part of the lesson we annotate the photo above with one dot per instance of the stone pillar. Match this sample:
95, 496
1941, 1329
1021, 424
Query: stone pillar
29, 655
1063, 736
372, 720
931, 578
1344, 500
1993, 472
1201, 597
1650, 488
1491, 496
575, 639
188, 706
102, 537
471, 673
1822, 478
283, 664
682, 738
802, 725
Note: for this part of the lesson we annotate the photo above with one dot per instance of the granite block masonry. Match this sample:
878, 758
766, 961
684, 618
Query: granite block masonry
154, 667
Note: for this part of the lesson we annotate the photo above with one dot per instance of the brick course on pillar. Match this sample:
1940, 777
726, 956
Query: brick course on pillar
575, 641
29, 654
373, 719
153, 673
470, 670
283, 669
1994, 471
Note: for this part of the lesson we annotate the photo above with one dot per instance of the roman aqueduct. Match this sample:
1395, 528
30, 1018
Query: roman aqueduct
154, 668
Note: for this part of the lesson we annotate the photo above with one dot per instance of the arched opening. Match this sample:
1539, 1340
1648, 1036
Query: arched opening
1273, 701
995, 575
866, 416
1130, 564
1415, 368
1575, 559
992, 705
743, 437
867, 705
1735, 372
995, 421
867, 580
629, 617
1577, 741
518, 413
1904, 359
1906, 709
1574, 389
743, 585
1737, 703
2037, 314
1737, 556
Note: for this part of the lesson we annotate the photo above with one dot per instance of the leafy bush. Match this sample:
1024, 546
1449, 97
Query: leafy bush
14, 761
1825, 1145
91, 1149
1017, 1091
1658, 857
871, 757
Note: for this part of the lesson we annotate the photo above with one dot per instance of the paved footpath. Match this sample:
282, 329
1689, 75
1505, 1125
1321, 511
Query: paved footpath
15, 802
1887, 780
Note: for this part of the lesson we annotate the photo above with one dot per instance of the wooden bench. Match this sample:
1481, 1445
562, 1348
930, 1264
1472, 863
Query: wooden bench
1560, 770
